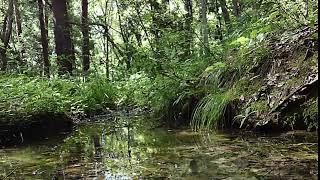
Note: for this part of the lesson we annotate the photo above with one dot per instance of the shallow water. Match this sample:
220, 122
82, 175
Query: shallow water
132, 148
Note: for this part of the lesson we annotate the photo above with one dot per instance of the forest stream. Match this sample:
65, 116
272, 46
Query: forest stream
159, 89
136, 148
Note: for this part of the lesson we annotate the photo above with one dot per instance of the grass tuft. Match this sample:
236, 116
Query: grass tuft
210, 110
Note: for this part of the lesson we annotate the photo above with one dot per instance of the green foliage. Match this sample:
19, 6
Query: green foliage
212, 74
310, 114
246, 87
210, 110
134, 90
259, 106
140, 90
24, 97
98, 94
164, 92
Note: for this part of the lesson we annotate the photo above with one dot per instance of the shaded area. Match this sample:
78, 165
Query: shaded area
39, 128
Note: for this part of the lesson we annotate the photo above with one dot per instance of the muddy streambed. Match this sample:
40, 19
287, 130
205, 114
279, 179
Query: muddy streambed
132, 148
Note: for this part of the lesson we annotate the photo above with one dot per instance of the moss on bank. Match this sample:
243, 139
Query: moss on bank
263, 75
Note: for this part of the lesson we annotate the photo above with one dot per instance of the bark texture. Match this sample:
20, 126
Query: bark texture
205, 30
64, 47
44, 37
86, 37
5, 36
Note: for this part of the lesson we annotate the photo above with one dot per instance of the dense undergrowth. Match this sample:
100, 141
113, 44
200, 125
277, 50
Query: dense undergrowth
23, 98
243, 71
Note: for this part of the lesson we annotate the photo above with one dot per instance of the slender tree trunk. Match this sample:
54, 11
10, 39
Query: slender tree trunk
144, 29
44, 38
225, 12
219, 27
135, 31
158, 11
138, 38
64, 47
125, 38
17, 16
5, 37
307, 9
107, 57
204, 22
236, 8
188, 25
106, 41
155, 12
86, 38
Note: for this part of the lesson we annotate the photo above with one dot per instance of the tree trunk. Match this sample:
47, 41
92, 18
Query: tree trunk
236, 8
219, 26
44, 38
5, 37
155, 13
188, 25
64, 47
225, 12
106, 41
126, 39
106, 49
17, 16
204, 22
86, 38
145, 29
134, 27
307, 9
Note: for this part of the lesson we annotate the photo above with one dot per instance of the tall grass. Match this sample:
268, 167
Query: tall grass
209, 111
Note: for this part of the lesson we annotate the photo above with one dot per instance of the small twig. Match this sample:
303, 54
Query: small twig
10, 173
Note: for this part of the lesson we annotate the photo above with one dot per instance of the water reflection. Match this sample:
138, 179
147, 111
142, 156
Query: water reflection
131, 148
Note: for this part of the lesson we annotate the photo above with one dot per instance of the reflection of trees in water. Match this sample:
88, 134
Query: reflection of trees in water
97, 145
119, 147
